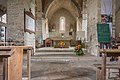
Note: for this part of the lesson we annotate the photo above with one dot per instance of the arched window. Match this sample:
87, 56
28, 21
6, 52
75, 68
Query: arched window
62, 25
3, 18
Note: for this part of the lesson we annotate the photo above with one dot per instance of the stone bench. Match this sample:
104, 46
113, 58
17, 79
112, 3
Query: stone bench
108, 66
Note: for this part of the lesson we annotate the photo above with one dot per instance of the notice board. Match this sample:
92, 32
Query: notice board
103, 32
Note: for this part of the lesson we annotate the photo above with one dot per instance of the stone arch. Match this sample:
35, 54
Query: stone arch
57, 4
54, 23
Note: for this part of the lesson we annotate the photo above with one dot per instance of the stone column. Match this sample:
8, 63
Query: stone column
47, 29
39, 21
43, 28
79, 28
93, 18
15, 16
113, 18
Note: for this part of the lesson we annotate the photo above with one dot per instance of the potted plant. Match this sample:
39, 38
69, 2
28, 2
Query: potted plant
78, 50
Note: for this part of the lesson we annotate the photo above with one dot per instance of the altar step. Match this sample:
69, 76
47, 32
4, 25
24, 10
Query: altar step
51, 53
60, 56
52, 49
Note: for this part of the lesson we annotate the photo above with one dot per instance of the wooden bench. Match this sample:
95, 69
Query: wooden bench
108, 66
27, 49
12, 63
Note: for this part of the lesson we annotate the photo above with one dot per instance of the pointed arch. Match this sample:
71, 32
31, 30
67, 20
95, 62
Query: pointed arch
57, 4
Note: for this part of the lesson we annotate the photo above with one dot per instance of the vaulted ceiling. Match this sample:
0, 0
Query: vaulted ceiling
46, 4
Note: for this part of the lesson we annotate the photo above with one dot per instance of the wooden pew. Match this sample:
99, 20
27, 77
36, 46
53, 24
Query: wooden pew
12, 63
108, 53
108, 66
27, 49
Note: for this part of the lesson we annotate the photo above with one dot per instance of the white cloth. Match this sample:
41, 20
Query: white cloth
106, 7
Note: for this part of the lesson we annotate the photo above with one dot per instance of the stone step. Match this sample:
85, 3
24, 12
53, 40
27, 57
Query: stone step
25, 78
58, 55
61, 56
54, 53
52, 49
63, 59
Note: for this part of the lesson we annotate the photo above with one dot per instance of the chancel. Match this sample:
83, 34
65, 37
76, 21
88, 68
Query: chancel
59, 39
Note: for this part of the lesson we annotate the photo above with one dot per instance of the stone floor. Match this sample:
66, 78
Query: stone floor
62, 66
66, 69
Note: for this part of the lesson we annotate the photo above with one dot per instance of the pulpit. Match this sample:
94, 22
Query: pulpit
61, 41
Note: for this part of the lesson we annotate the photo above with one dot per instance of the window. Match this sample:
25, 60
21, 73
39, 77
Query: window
62, 25
3, 18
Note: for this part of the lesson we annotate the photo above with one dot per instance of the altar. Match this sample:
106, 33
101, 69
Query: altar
63, 42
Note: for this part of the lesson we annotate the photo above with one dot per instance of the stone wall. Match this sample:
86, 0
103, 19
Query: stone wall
15, 15
117, 18
29, 38
70, 21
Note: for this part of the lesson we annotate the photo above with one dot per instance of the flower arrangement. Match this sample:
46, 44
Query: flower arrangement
78, 50
61, 44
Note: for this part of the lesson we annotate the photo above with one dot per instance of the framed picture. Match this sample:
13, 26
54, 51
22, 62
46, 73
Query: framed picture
29, 22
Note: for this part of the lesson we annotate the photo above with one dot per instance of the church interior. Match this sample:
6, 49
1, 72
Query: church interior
59, 40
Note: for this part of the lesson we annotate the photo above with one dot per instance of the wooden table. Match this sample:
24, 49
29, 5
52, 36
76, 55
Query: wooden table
108, 53
29, 50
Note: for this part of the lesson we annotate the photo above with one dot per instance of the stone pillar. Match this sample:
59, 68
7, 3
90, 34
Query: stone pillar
39, 21
93, 11
79, 28
43, 28
47, 28
99, 11
84, 24
15, 16
113, 18
78, 24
